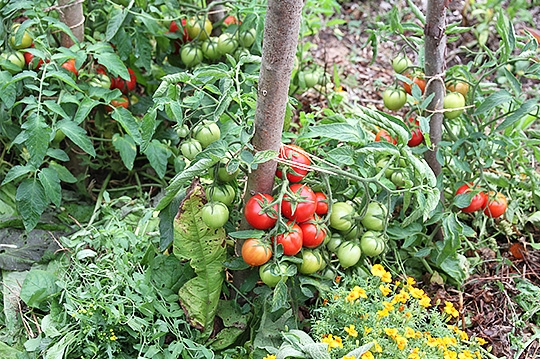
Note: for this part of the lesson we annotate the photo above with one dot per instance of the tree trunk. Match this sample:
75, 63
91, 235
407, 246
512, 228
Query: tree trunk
71, 14
280, 41
435, 66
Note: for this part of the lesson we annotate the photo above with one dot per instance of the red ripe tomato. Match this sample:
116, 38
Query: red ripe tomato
322, 203
417, 135
185, 37
255, 215
29, 59
294, 154
292, 240
495, 207
124, 86
256, 253
417, 79
304, 202
123, 102
383, 135
313, 232
70, 66
231, 20
478, 201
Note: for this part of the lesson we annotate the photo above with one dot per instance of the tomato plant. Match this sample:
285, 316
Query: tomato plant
335, 241
495, 205
101, 80
291, 240
416, 79
322, 203
231, 20
210, 49
375, 216
478, 201
458, 86
451, 101
185, 36
394, 98
313, 231
190, 148
341, 216
300, 204
372, 243
257, 212
246, 38
401, 63
384, 135
255, 252
215, 214
311, 262
417, 137
272, 273
349, 253
295, 154
206, 133
222, 193
32, 62
25, 42
70, 66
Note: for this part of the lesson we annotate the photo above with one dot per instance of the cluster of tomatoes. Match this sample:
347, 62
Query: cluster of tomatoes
195, 43
305, 233
493, 204
394, 98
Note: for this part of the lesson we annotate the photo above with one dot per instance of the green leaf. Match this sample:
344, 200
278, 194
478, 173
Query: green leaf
63, 173
143, 50
78, 135
58, 349
127, 148
336, 131
21, 249
56, 108
8, 91
37, 141
51, 184
113, 64
524, 109
417, 12
395, 126
157, 154
341, 156
250, 233
65, 78
206, 250
358, 352
494, 100
16, 172
234, 321
85, 106
115, 23
31, 202
287, 351
128, 122
38, 286
148, 127
166, 222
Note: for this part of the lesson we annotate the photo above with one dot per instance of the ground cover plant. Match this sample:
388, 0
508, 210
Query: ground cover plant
139, 218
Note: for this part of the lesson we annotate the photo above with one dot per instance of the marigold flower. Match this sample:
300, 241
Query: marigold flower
482, 341
450, 341
383, 313
338, 278
416, 292
388, 306
387, 277
401, 342
463, 335
378, 270
270, 356
450, 310
367, 330
414, 354
409, 332
408, 315
385, 290
465, 355
351, 331
450, 355
410, 281
425, 302
367, 355
378, 348
478, 355
333, 342
351, 357
391, 332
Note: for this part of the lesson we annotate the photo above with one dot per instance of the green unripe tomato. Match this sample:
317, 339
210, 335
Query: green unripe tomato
310, 262
247, 38
400, 63
340, 218
335, 241
210, 49
227, 43
224, 194
191, 55
26, 40
272, 273
394, 98
453, 100
190, 148
215, 214
349, 254
207, 133
100, 80
375, 216
182, 131
12, 62
353, 233
195, 28
372, 243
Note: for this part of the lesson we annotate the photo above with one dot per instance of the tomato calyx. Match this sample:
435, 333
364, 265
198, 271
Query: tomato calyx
299, 203
291, 239
261, 211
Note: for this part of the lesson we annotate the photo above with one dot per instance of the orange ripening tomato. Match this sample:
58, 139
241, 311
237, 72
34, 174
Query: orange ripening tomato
231, 20
496, 205
417, 79
256, 253
70, 66
123, 102
383, 135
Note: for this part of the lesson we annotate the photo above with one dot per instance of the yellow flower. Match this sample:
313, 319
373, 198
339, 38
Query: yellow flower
409, 332
351, 357
425, 302
416, 292
478, 355
382, 313
333, 342
356, 293
367, 355
378, 270
450, 341
410, 281
270, 356
351, 331
450, 355
385, 290
387, 277
482, 341
408, 315
401, 342
391, 332
388, 306
414, 354
465, 355
463, 335
450, 310
367, 330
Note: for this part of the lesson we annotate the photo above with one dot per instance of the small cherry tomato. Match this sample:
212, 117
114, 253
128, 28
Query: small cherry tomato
496, 205
255, 252
322, 203
257, 214
394, 98
291, 240
384, 135
478, 201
